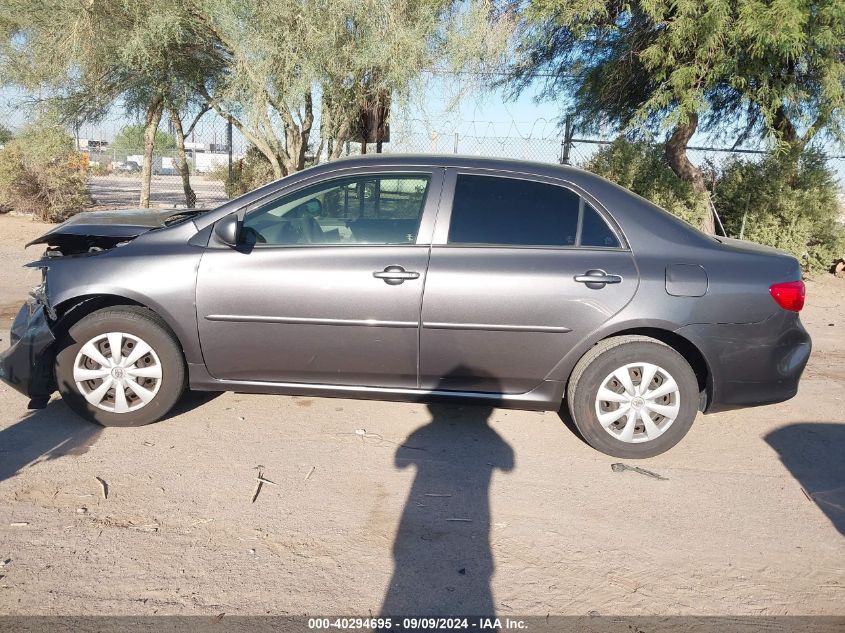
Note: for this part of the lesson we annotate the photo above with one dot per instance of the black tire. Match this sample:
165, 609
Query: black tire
608, 356
135, 321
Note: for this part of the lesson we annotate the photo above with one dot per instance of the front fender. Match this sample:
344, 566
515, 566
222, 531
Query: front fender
161, 278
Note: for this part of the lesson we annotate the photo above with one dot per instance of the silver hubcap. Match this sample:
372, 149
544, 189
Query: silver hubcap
117, 372
638, 402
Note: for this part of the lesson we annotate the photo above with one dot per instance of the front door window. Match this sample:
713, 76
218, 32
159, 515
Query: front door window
369, 209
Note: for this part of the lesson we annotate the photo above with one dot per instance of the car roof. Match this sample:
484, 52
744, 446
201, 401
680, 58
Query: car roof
455, 160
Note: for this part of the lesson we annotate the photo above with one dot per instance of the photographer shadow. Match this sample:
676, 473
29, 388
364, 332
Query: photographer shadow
814, 453
442, 551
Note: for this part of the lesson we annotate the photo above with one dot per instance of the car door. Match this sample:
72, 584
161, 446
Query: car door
326, 287
521, 269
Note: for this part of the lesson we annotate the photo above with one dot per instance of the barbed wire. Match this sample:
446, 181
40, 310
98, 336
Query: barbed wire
541, 140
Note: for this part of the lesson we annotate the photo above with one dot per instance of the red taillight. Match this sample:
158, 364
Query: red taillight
789, 295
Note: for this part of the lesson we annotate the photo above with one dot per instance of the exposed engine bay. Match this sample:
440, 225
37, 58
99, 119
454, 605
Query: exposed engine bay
97, 231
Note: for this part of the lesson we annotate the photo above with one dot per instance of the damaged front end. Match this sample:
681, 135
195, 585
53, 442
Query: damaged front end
97, 231
27, 366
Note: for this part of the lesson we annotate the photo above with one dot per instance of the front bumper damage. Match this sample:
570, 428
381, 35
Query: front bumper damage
27, 366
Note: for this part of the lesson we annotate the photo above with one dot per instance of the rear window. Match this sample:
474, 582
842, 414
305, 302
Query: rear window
496, 211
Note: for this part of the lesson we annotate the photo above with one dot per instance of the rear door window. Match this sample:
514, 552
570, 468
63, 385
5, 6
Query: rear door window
502, 211
511, 212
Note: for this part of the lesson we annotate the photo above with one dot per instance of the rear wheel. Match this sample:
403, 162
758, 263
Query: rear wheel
633, 397
120, 367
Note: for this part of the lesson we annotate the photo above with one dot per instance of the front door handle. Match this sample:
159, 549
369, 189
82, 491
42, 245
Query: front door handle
395, 275
596, 279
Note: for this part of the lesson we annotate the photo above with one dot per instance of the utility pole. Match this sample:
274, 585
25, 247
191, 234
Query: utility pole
229, 144
566, 143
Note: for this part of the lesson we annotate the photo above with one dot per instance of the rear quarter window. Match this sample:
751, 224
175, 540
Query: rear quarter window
595, 231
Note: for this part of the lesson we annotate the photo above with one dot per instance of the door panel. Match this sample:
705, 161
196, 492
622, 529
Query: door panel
311, 314
502, 303
500, 319
326, 287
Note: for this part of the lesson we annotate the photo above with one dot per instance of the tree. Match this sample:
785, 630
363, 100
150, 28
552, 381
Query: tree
785, 74
173, 54
181, 133
787, 201
131, 139
5, 135
85, 58
269, 66
287, 61
729, 67
643, 168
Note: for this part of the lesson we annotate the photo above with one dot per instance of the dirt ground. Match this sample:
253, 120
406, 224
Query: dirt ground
363, 513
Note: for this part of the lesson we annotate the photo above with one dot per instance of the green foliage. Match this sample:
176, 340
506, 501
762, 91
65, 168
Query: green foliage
743, 66
249, 173
40, 173
131, 138
5, 135
643, 169
786, 202
146, 56
90, 56
781, 201
286, 59
268, 65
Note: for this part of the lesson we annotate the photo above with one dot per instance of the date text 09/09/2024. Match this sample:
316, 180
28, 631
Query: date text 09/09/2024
416, 624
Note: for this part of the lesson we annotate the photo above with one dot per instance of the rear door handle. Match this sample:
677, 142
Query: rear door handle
395, 275
596, 279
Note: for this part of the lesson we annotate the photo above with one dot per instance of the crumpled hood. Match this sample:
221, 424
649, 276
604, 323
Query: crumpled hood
118, 224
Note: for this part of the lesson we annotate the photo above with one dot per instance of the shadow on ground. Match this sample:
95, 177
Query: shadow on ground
814, 452
442, 553
44, 434
56, 431
191, 400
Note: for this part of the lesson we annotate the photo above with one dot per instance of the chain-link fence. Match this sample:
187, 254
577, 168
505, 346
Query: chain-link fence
116, 174
115, 179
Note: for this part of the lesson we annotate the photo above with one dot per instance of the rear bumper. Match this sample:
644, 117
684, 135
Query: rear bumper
27, 366
752, 364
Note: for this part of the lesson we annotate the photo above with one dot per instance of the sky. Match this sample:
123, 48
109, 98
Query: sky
436, 108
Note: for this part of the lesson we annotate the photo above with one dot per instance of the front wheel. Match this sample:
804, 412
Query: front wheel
633, 397
120, 367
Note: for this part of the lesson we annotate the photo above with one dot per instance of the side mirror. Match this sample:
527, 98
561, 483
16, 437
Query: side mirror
227, 229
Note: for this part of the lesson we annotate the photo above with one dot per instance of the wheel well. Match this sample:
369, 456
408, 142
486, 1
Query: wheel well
684, 347
73, 310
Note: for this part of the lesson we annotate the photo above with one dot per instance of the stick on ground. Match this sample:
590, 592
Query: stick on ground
104, 486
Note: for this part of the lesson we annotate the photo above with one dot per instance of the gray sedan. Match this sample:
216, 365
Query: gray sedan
416, 277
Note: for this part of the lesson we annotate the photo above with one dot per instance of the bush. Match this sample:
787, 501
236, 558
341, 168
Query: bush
40, 173
784, 201
643, 169
131, 139
98, 169
5, 135
250, 172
